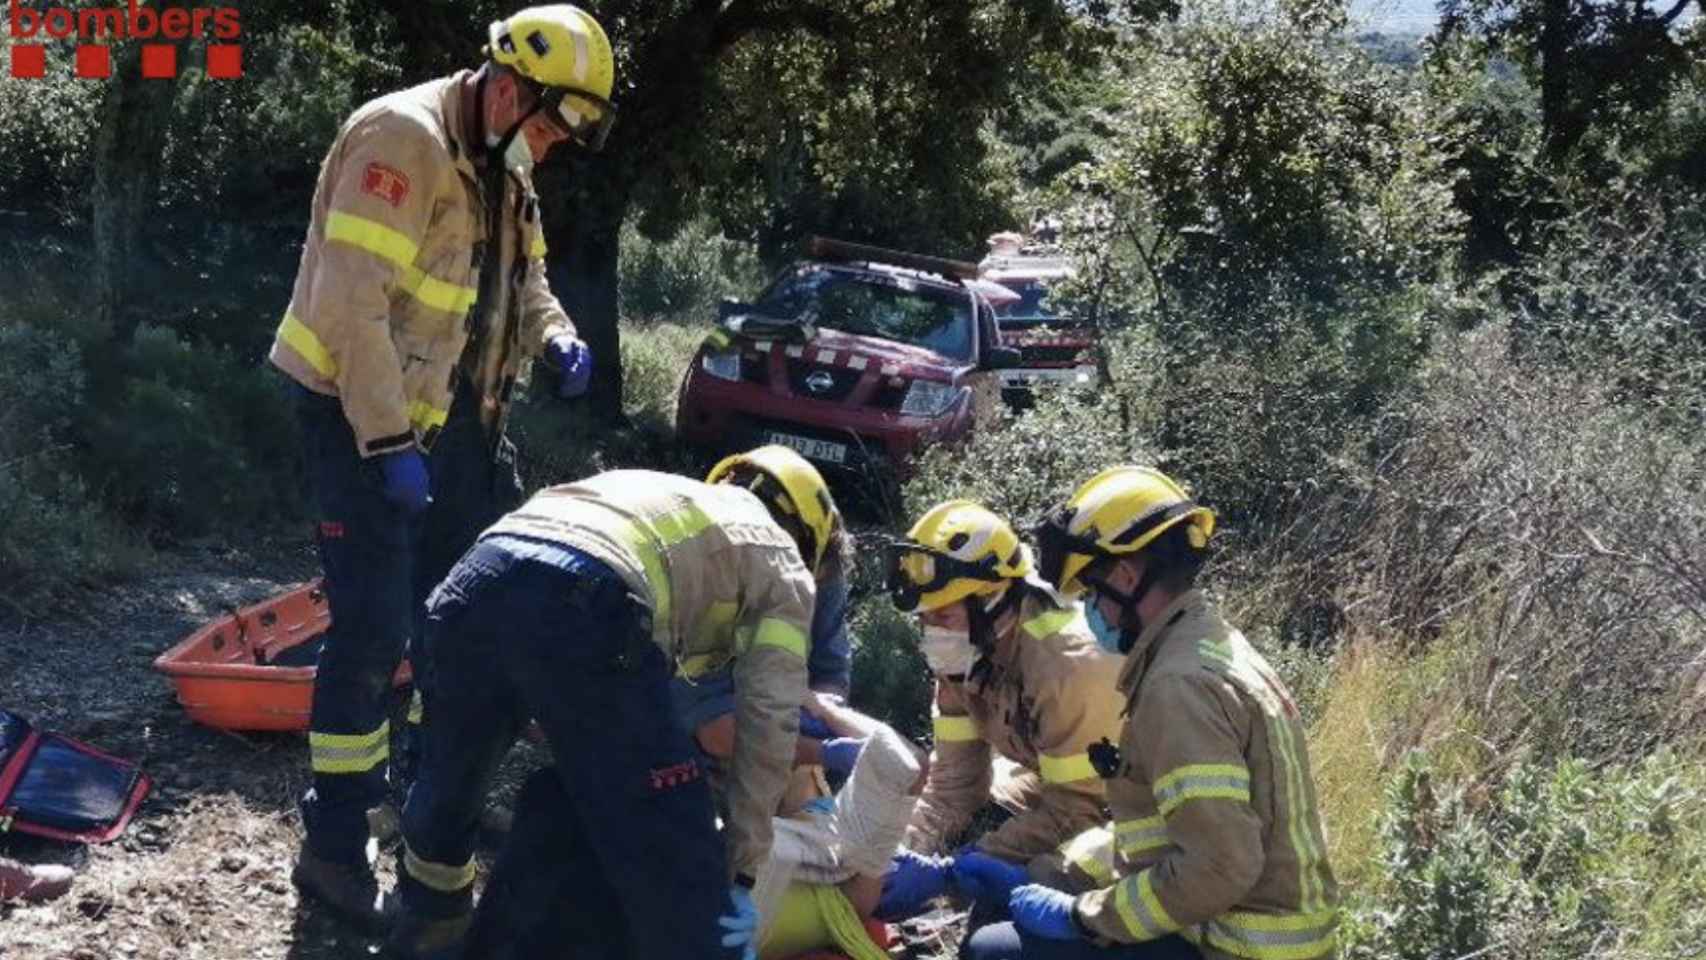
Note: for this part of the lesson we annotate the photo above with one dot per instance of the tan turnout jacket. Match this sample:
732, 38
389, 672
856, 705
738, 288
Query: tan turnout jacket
1047, 695
1215, 824
725, 585
385, 293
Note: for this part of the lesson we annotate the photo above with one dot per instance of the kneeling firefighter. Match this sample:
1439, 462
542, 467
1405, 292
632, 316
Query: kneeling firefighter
1017, 673
575, 610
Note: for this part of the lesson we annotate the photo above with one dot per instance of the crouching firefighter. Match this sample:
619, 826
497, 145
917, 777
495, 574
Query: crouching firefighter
1219, 847
1019, 676
575, 610
420, 297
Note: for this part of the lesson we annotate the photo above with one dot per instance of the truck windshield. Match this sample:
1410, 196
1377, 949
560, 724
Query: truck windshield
893, 308
1029, 310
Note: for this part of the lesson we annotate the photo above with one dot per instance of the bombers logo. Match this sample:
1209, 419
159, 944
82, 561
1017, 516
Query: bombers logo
31, 26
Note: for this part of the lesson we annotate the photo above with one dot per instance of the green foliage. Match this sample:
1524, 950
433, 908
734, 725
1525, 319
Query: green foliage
54, 536
890, 678
1561, 862
191, 440
50, 125
682, 279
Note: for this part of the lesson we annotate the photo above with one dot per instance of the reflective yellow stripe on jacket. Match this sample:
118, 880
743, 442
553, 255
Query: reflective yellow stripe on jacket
649, 541
390, 245
1052, 622
1141, 835
957, 728
1091, 852
778, 633
1141, 909
1066, 769
1202, 781
1266, 936
307, 343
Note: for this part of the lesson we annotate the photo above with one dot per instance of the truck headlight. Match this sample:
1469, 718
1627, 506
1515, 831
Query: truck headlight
723, 366
928, 398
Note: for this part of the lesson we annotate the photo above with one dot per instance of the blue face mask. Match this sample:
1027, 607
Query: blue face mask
1108, 636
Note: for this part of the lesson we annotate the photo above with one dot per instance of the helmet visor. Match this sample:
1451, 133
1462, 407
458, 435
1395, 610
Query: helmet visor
585, 118
914, 570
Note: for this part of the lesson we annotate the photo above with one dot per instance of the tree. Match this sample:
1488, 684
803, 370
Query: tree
859, 117
1593, 61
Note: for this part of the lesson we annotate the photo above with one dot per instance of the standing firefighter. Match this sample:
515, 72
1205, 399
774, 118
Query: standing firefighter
575, 610
1017, 673
1219, 847
420, 296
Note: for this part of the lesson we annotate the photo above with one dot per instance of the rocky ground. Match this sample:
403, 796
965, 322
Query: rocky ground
204, 869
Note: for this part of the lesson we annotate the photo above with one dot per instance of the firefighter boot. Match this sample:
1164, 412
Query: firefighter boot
418, 937
349, 890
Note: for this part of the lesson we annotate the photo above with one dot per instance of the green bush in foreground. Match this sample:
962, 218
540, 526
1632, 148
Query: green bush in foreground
1560, 863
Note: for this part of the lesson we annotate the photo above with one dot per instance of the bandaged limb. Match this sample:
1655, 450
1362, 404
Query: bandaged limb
858, 837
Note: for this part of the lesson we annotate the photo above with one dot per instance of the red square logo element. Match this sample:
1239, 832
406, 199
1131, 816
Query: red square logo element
224, 61
387, 183
94, 62
159, 61
29, 61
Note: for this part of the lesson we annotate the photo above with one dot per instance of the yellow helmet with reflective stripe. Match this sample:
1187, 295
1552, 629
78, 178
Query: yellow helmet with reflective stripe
1117, 512
564, 51
958, 549
793, 490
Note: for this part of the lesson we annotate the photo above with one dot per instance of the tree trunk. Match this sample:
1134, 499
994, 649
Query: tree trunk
135, 114
584, 205
1558, 119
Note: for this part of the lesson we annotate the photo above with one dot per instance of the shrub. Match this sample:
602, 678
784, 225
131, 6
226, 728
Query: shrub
682, 278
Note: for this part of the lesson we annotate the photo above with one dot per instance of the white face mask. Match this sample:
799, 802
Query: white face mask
518, 156
949, 652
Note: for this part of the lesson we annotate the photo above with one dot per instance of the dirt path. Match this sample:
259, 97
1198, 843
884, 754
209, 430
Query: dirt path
204, 869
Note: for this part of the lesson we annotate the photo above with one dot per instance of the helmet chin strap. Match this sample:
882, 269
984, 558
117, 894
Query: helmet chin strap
1128, 604
495, 150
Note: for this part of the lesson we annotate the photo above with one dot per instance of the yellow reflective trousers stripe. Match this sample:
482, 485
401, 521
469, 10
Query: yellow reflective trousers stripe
954, 729
1066, 769
1141, 909
443, 877
1202, 781
307, 345
1052, 622
536, 249
396, 248
349, 752
1264, 936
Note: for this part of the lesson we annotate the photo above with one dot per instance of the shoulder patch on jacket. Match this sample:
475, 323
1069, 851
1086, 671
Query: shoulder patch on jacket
385, 182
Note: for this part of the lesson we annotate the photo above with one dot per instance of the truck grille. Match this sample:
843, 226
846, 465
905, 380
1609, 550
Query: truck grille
819, 382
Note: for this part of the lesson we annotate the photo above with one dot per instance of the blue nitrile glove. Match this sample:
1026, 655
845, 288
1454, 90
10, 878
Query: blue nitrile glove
912, 881
574, 364
406, 483
740, 926
840, 755
986, 879
1044, 911
820, 805
811, 726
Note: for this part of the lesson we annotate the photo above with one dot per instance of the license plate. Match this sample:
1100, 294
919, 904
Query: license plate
811, 449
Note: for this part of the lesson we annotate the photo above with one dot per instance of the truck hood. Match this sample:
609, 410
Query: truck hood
836, 348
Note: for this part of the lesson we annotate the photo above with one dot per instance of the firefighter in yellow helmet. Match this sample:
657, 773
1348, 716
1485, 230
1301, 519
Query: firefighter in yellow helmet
1018, 676
575, 610
419, 304
1217, 838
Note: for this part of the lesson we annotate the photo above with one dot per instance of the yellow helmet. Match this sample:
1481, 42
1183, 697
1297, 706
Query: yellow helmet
563, 52
793, 490
958, 549
1117, 512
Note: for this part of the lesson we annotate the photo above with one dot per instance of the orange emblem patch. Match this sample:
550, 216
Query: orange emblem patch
387, 183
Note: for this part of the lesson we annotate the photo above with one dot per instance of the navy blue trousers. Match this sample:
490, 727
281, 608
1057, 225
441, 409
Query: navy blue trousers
379, 564
522, 629
1005, 941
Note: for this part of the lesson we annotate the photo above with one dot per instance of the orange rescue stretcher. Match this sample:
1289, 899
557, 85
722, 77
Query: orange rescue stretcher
253, 669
